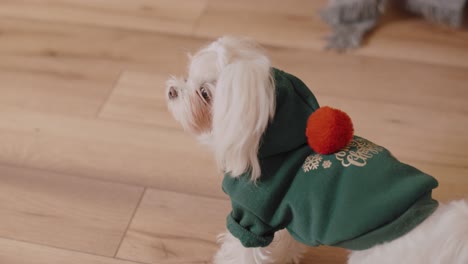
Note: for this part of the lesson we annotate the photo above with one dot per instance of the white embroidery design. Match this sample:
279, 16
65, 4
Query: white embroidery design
358, 152
312, 162
326, 164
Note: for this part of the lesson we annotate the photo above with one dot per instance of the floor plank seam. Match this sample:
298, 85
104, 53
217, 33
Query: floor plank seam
133, 261
361, 52
109, 94
137, 31
130, 221
55, 247
389, 102
109, 181
197, 21
92, 117
358, 53
141, 124
55, 172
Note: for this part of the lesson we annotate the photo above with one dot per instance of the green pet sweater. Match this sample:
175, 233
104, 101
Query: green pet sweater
354, 198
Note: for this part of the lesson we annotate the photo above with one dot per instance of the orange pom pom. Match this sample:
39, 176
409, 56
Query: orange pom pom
329, 130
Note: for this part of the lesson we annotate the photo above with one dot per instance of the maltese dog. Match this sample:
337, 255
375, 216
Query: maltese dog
297, 176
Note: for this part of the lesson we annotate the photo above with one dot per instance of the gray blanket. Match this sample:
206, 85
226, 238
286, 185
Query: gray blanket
352, 19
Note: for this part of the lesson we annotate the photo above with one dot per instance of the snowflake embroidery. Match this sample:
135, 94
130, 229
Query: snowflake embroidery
312, 162
326, 164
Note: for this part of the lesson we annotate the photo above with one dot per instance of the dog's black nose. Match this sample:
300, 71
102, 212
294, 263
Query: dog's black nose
172, 93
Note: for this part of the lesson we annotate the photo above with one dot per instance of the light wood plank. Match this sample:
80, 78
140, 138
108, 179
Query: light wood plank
402, 129
97, 49
159, 15
297, 24
139, 97
398, 106
452, 181
178, 228
396, 122
55, 85
440, 88
421, 85
52, 68
279, 23
174, 228
15, 252
116, 151
391, 124
292, 24
66, 212
412, 139
405, 36
325, 255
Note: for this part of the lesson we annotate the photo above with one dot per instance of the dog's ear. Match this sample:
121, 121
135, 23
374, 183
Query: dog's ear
244, 102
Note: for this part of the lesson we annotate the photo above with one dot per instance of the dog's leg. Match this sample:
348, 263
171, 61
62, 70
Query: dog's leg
442, 238
283, 250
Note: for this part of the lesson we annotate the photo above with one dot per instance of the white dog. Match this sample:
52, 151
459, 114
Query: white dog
231, 102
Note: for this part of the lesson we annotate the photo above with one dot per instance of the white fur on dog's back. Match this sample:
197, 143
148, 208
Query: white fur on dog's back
441, 239
283, 250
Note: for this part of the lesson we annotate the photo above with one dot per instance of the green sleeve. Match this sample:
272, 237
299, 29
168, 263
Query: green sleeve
248, 228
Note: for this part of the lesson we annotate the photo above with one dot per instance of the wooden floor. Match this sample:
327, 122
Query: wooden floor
94, 170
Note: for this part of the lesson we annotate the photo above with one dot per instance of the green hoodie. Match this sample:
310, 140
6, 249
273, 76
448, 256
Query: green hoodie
356, 198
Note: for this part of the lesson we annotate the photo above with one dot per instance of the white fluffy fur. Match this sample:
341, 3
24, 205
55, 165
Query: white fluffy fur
237, 74
284, 249
243, 104
441, 239
243, 101
181, 110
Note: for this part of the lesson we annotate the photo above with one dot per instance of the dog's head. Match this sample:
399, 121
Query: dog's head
227, 101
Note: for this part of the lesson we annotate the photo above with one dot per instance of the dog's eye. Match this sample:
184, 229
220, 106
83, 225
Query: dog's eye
205, 93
